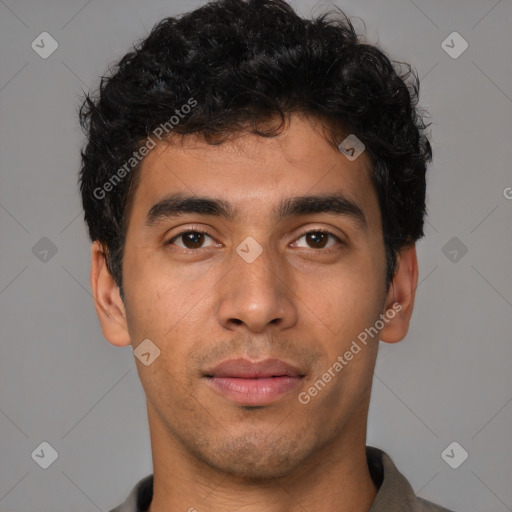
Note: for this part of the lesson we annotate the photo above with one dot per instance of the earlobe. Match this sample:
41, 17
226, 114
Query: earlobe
107, 300
400, 297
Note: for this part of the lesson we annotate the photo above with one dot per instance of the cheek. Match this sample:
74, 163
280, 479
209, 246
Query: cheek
165, 305
346, 298
155, 292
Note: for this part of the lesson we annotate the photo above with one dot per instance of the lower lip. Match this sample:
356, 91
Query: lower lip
260, 391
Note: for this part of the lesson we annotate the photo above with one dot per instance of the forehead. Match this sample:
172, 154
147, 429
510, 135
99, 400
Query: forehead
254, 173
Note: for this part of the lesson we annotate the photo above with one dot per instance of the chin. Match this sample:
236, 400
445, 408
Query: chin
252, 460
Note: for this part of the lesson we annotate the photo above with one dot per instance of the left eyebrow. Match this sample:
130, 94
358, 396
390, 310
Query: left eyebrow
178, 204
336, 204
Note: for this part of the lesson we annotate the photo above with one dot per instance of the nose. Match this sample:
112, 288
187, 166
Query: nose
257, 295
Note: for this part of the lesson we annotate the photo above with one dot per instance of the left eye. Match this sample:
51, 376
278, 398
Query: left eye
318, 239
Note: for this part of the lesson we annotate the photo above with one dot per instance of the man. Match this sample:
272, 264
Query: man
254, 185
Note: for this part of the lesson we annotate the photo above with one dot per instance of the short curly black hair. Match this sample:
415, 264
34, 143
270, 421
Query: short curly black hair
244, 63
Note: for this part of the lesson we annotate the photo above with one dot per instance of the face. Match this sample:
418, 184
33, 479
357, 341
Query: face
258, 272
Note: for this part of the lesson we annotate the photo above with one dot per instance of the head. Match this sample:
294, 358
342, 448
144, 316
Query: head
231, 117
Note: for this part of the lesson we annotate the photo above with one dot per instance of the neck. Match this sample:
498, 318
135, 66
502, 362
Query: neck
334, 478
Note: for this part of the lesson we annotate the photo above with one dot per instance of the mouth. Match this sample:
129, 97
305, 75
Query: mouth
254, 383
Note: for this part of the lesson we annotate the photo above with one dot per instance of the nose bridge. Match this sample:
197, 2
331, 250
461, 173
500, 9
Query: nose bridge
255, 265
254, 292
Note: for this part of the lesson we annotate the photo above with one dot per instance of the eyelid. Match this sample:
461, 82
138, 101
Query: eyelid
330, 230
327, 231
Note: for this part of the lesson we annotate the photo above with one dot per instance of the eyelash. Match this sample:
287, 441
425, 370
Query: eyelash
325, 232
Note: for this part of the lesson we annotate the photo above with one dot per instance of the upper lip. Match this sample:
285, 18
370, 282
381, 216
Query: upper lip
246, 369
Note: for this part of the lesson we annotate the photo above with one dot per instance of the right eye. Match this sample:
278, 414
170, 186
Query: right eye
191, 239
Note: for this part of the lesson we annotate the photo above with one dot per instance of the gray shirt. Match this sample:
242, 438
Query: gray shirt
395, 494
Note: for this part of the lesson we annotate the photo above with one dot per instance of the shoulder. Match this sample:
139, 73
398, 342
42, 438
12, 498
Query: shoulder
394, 491
139, 498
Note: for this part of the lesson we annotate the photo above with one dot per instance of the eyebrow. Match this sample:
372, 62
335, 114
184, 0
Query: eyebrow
177, 204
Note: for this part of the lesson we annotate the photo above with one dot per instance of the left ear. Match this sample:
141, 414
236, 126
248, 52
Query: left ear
400, 297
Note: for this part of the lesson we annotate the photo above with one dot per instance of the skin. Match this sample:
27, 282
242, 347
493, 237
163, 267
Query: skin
301, 300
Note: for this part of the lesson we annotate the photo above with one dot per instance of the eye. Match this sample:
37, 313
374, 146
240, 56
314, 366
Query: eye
318, 239
191, 239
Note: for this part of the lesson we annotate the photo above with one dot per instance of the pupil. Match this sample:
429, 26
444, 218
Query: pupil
317, 239
194, 239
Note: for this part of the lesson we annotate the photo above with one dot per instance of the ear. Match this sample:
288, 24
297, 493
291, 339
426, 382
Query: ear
107, 299
400, 297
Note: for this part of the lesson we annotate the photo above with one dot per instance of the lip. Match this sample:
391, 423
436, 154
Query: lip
245, 369
253, 383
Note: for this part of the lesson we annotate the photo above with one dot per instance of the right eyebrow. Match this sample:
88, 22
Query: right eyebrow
177, 204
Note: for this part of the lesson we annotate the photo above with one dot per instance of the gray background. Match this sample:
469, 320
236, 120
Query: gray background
61, 382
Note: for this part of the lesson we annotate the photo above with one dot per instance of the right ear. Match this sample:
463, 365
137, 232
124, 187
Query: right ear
107, 300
